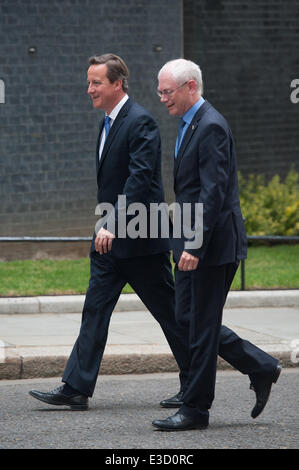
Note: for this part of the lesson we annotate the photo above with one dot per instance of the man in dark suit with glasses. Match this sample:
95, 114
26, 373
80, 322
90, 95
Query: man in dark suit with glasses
205, 172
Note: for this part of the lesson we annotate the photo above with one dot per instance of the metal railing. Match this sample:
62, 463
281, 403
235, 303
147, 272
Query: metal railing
45, 239
267, 238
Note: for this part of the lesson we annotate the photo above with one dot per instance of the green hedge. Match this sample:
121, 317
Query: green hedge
270, 208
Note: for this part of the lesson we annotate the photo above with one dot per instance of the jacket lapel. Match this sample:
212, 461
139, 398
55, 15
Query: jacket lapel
113, 132
189, 133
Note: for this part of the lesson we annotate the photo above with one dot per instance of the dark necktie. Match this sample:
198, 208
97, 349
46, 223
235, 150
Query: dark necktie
179, 137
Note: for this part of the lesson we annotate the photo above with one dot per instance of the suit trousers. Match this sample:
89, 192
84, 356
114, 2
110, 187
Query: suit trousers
152, 280
200, 298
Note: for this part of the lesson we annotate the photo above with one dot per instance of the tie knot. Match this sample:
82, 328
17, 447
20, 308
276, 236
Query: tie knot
107, 119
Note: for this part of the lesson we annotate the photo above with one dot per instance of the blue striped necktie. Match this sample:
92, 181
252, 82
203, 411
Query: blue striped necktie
107, 126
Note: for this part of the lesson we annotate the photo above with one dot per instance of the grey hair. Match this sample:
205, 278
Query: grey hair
183, 70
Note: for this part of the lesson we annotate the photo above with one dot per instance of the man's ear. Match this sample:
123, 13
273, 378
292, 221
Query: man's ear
192, 87
118, 84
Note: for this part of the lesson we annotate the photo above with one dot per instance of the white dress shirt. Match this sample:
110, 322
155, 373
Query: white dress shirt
112, 116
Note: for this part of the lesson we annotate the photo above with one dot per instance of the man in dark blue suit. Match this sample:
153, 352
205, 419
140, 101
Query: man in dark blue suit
128, 163
205, 172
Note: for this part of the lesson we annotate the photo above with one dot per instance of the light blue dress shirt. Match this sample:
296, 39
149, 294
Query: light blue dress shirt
188, 116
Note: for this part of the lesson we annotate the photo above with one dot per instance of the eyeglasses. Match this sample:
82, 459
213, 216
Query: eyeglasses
169, 92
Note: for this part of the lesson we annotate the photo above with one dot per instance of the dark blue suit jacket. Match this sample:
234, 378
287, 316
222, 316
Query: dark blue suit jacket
205, 171
130, 165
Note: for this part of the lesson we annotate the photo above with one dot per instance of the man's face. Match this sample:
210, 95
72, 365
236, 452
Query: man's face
104, 94
177, 102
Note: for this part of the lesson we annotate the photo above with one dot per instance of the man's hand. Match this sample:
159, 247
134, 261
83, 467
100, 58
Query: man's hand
103, 241
188, 262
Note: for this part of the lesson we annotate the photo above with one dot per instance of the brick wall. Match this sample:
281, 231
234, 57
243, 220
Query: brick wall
48, 126
248, 52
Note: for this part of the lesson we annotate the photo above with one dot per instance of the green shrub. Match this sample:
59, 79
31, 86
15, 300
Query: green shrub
272, 208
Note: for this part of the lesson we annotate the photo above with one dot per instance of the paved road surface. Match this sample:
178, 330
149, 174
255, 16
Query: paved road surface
123, 408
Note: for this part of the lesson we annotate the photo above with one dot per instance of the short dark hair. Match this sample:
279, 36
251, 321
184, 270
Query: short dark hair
116, 68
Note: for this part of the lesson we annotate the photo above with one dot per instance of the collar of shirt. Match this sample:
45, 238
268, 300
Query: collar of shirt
117, 109
189, 115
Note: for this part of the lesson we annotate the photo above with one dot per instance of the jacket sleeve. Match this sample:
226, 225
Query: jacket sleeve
213, 167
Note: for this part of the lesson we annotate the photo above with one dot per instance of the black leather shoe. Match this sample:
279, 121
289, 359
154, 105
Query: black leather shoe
56, 397
178, 422
173, 402
262, 388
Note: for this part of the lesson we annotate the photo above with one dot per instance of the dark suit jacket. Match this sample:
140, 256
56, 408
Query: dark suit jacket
130, 165
205, 171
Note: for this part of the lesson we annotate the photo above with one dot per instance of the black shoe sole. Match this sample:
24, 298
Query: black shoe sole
187, 428
172, 405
